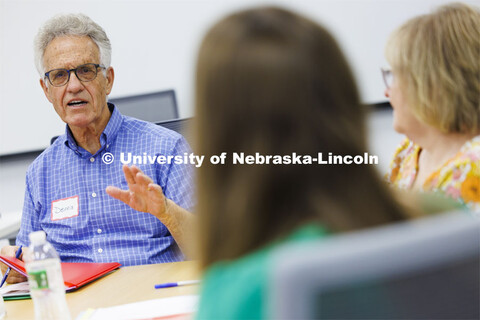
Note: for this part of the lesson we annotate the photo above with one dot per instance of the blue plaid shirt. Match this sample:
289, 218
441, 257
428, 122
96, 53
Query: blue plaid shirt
105, 229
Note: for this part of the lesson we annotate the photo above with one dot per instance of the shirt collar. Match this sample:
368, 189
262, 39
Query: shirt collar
114, 124
108, 135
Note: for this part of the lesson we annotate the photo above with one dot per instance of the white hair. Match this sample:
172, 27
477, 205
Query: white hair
71, 25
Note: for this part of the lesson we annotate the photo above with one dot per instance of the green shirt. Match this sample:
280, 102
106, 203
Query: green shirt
238, 289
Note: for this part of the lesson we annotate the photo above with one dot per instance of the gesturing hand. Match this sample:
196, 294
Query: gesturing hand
142, 194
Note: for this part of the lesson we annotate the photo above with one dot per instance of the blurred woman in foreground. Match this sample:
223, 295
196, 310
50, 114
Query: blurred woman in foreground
274, 83
434, 89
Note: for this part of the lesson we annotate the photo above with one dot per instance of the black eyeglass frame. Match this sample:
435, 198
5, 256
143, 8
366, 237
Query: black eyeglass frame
47, 74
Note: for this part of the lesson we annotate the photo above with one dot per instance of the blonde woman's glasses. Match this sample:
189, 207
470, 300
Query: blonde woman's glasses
388, 77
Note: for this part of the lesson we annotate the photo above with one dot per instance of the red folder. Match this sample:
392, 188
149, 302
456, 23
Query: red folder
75, 274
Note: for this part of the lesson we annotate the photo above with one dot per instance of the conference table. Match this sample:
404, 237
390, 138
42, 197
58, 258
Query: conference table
126, 285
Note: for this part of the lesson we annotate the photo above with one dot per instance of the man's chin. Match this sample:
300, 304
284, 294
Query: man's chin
78, 122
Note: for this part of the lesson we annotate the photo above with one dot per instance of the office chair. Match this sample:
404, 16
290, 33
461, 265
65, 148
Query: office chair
182, 126
423, 269
153, 107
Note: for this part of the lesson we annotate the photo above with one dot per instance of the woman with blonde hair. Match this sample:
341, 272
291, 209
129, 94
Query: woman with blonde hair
434, 89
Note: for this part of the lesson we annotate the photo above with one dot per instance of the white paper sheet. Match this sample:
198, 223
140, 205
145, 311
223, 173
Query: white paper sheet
149, 309
17, 289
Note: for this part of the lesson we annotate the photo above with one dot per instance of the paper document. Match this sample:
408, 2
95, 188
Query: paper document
165, 308
15, 291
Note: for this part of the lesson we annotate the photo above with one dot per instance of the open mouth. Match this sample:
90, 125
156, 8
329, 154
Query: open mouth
76, 103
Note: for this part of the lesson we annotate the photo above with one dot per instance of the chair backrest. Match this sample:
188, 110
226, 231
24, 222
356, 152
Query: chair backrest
423, 269
153, 107
182, 126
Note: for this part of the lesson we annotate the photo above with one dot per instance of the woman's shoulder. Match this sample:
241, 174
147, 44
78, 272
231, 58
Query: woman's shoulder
470, 151
237, 289
460, 178
465, 163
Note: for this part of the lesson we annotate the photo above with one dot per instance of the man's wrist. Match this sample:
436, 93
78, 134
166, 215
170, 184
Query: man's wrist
167, 216
167, 205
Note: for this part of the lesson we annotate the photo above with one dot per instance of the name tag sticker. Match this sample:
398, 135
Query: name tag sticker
64, 208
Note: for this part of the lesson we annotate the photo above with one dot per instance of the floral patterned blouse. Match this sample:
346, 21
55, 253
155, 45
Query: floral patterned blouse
458, 178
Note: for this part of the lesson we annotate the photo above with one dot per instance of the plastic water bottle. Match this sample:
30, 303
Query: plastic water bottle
45, 279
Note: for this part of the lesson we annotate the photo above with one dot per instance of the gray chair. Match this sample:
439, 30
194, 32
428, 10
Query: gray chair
182, 126
423, 269
153, 107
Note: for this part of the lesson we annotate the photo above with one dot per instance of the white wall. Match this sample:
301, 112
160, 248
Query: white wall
154, 48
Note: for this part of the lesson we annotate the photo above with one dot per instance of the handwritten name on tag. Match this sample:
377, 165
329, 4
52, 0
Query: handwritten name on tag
64, 208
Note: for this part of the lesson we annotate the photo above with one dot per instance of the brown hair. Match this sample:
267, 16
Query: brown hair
273, 82
436, 57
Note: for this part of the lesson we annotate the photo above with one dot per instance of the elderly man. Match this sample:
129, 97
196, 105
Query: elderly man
66, 185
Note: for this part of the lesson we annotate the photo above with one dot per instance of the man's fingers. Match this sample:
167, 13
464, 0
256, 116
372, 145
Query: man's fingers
119, 194
138, 189
156, 195
9, 251
3, 267
129, 176
152, 187
143, 179
135, 169
15, 277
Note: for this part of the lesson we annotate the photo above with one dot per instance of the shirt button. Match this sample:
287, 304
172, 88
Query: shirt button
94, 194
99, 231
100, 250
92, 159
108, 146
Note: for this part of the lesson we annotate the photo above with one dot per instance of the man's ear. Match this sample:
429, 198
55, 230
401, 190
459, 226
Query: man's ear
110, 77
46, 89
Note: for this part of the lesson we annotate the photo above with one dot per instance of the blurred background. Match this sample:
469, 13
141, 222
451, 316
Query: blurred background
155, 45
154, 49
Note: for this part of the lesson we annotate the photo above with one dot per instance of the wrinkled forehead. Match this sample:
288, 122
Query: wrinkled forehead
69, 52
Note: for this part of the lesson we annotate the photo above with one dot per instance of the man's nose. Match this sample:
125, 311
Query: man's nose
74, 84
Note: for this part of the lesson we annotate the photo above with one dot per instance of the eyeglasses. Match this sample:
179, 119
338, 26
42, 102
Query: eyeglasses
85, 72
388, 77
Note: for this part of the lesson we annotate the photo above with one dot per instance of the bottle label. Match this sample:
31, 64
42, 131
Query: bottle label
39, 280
